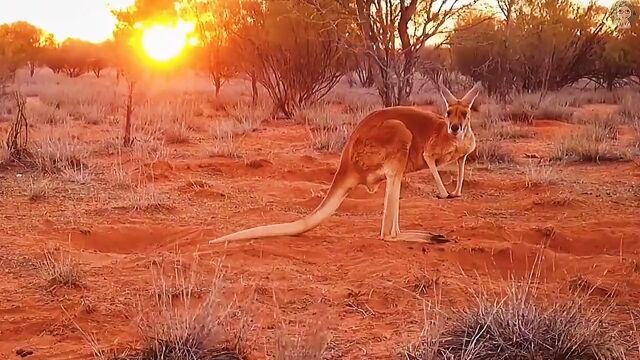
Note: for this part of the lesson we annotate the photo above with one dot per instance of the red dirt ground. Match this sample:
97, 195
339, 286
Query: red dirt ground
589, 220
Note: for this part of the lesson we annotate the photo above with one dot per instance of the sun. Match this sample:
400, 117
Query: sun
165, 42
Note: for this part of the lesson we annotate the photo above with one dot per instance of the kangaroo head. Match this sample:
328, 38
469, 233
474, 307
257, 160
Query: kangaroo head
458, 110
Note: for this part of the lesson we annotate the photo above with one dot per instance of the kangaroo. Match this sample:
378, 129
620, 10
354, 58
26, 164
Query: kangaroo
386, 145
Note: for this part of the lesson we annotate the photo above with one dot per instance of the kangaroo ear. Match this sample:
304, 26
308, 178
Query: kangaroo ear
471, 96
445, 93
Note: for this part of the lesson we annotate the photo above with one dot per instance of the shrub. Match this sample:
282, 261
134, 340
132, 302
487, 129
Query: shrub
177, 133
504, 131
55, 154
58, 268
247, 118
491, 152
311, 345
519, 326
331, 139
589, 144
629, 109
540, 174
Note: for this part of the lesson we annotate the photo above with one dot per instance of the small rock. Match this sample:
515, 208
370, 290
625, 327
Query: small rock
23, 352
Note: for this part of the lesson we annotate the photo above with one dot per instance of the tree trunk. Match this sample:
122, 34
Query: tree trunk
217, 81
128, 140
254, 89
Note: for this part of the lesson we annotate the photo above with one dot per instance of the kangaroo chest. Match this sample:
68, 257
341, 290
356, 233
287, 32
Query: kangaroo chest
446, 152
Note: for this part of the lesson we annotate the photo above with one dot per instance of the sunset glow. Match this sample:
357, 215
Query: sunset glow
164, 42
89, 20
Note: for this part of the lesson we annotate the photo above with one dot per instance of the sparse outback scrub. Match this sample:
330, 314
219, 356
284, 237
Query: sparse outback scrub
523, 325
592, 143
58, 268
491, 152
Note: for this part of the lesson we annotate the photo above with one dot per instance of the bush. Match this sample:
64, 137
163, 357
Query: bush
491, 152
590, 144
520, 327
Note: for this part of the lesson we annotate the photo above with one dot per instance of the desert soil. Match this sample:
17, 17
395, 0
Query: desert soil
362, 289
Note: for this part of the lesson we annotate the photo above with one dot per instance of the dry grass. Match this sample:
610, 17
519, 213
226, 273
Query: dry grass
81, 175
423, 282
146, 148
38, 190
328, 132
549, 110
507, 131
183, 323
606, 121
147, 198
223, 141
520, 111
310, 345
578, 98
57, 153
329, 139
635, 135
41, 113
523, 325
247, 118
91, 114
119, 175
491, 152
58, 268
427, 98
538, 174
185, 327
319, 116
7, 109
527, 107
86, 98
592, 143
361, 106
177, 133
490, 116
629, 109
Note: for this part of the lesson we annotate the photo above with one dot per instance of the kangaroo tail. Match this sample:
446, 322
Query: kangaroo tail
343, 183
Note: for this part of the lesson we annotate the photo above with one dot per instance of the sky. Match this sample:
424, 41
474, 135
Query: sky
89, 20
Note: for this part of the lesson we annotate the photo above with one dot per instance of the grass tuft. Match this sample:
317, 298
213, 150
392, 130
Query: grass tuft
491, 152
311, 345
187, 324
540, 175
523, 326
329, 139
58, 268
592, 143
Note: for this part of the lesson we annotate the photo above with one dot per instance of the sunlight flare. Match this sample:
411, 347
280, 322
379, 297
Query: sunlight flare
164, 42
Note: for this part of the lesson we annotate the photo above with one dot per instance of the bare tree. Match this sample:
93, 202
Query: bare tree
394, 31
18, 135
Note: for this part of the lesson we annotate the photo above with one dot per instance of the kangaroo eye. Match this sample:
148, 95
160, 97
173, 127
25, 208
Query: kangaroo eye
448, 113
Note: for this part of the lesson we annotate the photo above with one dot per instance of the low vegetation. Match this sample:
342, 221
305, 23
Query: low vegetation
59, 268
491, 152
523, 325
311, 344
539, 174
592, 143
